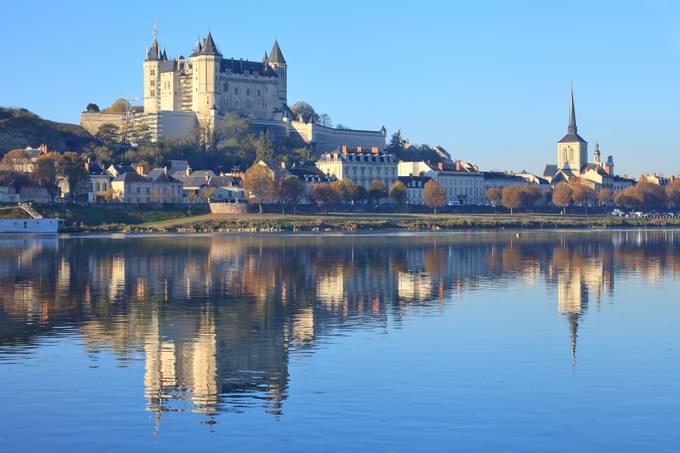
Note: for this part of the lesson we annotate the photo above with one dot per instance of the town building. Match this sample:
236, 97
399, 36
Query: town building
98, 182
361, 165
415, 185
164, 188
462, 181
131, 187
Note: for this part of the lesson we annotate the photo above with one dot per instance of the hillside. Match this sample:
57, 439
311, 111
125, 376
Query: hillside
20, 128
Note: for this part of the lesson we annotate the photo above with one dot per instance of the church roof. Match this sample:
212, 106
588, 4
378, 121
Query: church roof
572, 129
571, 138
276, 56
550, 170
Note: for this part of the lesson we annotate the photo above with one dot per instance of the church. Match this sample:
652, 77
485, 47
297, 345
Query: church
572, 161
186, 98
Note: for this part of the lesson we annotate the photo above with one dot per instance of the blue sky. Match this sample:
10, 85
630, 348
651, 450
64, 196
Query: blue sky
487, 80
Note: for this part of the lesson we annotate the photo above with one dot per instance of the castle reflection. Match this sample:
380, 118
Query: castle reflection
216, 318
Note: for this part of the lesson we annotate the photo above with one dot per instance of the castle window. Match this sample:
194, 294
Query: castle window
153, 93
248, 92
226, 87
259, 93
153, 72
153, 83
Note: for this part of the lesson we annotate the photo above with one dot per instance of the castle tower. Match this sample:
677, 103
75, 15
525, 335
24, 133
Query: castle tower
152, 75
278, 64
206, 64
572, 149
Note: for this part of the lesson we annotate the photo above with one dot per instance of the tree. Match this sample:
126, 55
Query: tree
208, 193
72, 169
92, 108
673, 193
650, 195
259, 184
46, 173
360, 194
346, 189
562, 196
324, 194
291, 190
140, 134
103, 154
118, 106
108, 133
494, 195
582, 195
396, 141
512, 197
325, 120
305, 111
626, 198
377, 191
264, 148
434, 195
605, 196
398, 193
531, 194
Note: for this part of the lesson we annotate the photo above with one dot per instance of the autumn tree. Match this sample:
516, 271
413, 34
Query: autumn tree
494, 195
605, 196
377, 191
673, 193
346, 188
398, 193
512, 197
562, 196
92, 108
16, 160
434, 195
119, 106
46, 173
72, 169
582, 195
650, 195
530, 194
259, 184
324, 194
360, 194
291, 190
626, 198
208, 193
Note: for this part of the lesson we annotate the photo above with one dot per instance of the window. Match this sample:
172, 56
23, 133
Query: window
153, 83
152, 73
248, 92
259, 93
153, 93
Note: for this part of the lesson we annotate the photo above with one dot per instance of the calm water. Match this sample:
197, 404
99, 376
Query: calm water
469, 342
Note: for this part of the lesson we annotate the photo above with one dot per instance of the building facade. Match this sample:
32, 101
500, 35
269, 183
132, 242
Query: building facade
362, 166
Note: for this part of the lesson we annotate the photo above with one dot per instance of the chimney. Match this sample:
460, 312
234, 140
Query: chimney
187, 171
375, 150
283, 165
43, 148
165, 170
359, 150
457, 165
344, 149
440, 166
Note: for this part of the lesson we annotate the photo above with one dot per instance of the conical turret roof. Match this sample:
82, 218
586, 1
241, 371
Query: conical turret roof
276, 56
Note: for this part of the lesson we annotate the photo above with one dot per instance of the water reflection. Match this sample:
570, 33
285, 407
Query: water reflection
216, 318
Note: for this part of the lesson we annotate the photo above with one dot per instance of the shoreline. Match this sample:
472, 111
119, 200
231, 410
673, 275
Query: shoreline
357, 223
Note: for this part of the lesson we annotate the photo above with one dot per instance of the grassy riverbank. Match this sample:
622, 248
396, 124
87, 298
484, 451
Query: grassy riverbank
177, 219
399, 222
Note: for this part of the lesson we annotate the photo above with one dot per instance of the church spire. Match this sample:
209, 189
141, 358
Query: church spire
571, 129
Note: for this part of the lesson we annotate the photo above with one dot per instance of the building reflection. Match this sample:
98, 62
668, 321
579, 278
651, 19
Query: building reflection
217, 318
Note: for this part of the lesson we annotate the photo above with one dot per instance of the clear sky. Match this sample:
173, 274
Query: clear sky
487, 80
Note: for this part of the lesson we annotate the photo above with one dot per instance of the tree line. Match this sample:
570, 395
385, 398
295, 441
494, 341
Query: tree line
48, 172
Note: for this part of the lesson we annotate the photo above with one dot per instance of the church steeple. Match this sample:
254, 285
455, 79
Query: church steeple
572, 129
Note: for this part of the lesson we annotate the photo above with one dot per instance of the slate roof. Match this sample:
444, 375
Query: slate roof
550, 170
243, 66
158, 175
131, 177
414, 181
276, 56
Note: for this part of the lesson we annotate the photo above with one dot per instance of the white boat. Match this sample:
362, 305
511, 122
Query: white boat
36, 224
29, 225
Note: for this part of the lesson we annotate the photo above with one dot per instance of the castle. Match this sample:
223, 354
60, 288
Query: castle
185, 97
